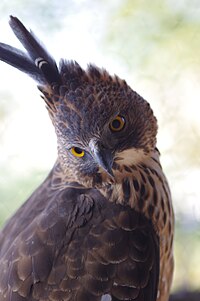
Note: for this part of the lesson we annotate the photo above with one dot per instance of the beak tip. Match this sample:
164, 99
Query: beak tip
103, 157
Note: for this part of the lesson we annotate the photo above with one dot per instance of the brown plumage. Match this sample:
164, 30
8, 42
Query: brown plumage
100, 227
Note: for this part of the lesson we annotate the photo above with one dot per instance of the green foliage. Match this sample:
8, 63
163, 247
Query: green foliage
187, 259
15, 189
149, 34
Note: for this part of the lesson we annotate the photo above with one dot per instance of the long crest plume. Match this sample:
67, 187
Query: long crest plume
36, 62
53, 82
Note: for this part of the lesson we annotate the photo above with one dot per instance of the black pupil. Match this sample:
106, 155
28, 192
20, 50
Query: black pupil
78, 150
116, 124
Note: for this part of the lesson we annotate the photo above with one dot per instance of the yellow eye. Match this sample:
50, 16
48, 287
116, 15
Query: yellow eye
117, 124
77, 152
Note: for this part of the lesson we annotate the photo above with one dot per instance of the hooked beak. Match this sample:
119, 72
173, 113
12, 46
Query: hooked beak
102, 156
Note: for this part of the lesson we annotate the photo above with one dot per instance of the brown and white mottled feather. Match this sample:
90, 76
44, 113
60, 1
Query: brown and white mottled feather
90, 233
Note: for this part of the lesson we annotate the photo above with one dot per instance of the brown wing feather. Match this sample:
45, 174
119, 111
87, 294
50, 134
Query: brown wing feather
75, 245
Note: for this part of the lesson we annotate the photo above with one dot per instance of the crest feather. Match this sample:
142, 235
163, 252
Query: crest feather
36, 62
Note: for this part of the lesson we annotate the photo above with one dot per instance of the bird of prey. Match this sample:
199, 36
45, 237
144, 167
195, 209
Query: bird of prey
100, 227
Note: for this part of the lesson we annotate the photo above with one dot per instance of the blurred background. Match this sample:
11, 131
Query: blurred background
155, 46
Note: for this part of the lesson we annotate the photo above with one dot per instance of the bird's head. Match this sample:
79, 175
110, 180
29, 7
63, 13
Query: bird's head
100, 122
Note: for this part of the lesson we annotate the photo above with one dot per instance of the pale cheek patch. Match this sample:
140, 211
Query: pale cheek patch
130, 156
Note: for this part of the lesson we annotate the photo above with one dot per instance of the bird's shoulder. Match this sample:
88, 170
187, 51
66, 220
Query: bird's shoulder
78, 243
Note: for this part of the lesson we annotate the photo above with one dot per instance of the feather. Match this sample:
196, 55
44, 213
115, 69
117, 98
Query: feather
37, 62
21, 61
